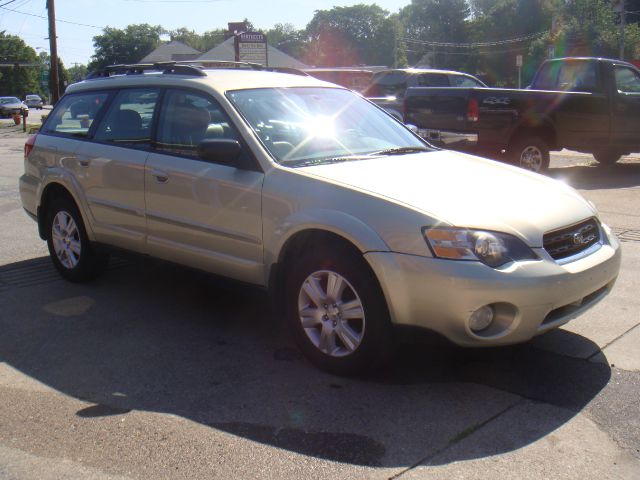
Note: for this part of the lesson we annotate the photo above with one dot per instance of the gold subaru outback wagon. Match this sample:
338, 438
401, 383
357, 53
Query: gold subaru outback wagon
357, 225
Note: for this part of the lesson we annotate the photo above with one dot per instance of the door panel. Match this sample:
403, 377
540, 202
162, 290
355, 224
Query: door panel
205, 215
111, 168
199, 213
626, 110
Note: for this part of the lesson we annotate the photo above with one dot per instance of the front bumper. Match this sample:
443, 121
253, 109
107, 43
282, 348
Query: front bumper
529, 298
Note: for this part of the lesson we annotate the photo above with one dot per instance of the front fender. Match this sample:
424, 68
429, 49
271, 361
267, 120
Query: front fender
340, 223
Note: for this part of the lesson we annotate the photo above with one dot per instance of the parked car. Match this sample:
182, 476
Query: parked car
591, 105
11, 105
357, 227
34, 101
388, 87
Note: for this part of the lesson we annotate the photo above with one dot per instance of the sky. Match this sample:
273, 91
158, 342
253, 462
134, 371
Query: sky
28, 18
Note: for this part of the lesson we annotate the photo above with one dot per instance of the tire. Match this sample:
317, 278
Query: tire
71, 252
347, 331
607, 157
530, 153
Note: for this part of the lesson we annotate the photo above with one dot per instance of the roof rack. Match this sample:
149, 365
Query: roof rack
167, 68
190, 67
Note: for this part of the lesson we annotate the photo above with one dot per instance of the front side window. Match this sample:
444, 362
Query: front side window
310, 125
75, 113
188, 118
627, 80
128, 121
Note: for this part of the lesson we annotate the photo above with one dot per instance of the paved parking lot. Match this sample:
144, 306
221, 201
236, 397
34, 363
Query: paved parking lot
155, 371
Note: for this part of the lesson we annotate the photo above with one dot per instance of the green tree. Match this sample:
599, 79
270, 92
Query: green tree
18, 81
201, 42
128, 45
435, 21
499, 20
285, 37
346, 36
77, 73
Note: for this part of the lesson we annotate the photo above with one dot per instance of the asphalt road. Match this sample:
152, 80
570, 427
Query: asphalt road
154, 371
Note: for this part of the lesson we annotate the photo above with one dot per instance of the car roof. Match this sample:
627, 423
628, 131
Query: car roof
221, 80
416, 71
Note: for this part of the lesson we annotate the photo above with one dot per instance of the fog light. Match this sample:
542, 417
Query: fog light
481, 318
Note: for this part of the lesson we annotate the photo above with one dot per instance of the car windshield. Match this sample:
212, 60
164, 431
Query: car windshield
5, 100
33, 97
302, 126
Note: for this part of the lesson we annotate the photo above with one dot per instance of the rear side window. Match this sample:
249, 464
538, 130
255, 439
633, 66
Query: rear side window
547, 78
75, 113
627, 80
128, 121
579, 77
433, 80
187, 119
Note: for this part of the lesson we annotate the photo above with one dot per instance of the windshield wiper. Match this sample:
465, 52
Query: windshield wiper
324, 161
400, 151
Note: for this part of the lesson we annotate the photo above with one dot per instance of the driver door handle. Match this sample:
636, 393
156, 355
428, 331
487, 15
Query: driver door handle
160, 176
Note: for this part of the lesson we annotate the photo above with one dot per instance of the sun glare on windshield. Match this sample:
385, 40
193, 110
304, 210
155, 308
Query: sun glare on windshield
321, 126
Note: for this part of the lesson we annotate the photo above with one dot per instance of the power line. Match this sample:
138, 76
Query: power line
57, 20
474, 45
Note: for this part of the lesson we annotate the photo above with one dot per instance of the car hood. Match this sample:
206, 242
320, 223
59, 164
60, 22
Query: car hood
465, 191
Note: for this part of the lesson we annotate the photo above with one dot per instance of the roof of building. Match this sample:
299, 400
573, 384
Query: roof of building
171, 51
226, 52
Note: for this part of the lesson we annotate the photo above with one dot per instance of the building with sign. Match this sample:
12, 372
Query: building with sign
251, 51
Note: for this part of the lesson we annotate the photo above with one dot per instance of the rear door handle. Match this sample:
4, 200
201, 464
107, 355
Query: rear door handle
160, 176
84, 161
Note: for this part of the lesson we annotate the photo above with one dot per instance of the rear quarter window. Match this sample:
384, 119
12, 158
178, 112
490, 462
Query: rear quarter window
75, 113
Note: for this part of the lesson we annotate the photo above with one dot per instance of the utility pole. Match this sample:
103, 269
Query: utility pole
620, 7
623, 24
53, 48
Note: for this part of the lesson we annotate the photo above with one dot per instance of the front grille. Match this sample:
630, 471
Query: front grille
572, 240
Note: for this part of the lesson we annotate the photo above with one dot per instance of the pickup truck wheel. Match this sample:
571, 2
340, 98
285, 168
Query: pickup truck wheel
531, 153
607, 157
337, 312
71, 252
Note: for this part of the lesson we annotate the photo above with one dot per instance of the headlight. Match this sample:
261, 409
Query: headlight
491, 248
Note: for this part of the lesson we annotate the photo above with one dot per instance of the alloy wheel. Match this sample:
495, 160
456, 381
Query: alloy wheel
66, 239
331, 313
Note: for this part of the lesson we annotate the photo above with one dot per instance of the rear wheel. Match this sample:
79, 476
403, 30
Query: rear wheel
530, 153
71, 252
607, 157
337, 312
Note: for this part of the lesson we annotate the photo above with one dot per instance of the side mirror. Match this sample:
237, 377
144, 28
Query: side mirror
225, 151
411, 127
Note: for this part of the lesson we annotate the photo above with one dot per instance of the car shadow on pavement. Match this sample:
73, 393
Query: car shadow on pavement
596, 177
154, 337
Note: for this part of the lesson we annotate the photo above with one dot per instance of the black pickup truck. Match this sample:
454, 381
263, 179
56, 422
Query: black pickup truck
591, 105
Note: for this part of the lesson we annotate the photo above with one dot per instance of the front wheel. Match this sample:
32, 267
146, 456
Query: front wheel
71, 252
530, 153
337, 312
